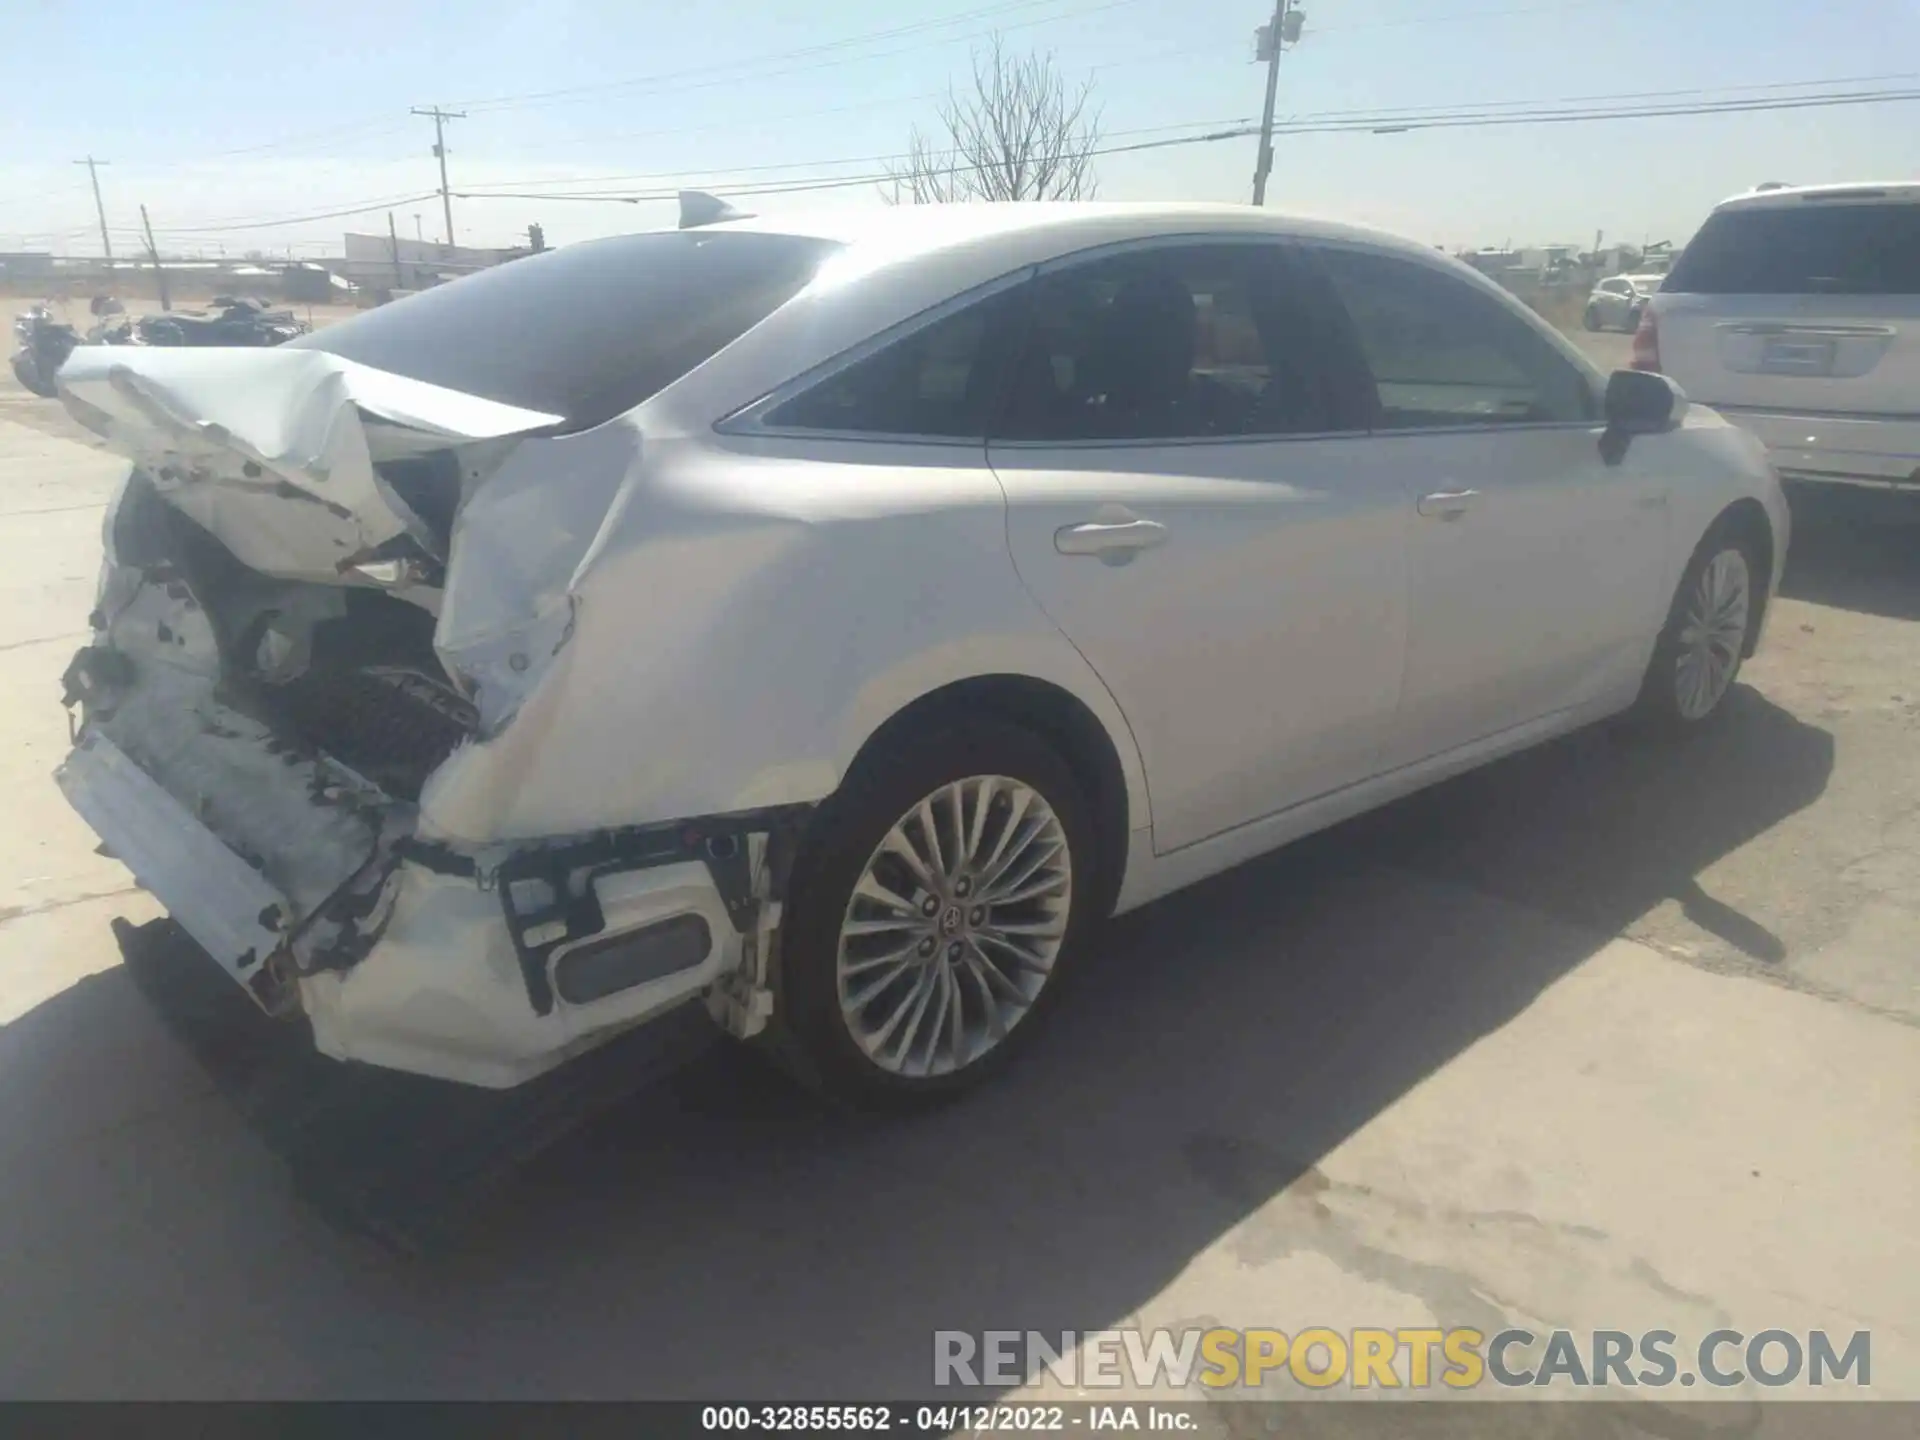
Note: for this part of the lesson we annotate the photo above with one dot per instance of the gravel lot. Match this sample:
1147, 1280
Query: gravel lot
1600, 1036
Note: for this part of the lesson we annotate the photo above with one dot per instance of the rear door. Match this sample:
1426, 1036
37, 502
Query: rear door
1805, 304
1193, 500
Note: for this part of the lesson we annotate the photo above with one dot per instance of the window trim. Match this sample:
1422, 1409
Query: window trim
1311, 245
750, 419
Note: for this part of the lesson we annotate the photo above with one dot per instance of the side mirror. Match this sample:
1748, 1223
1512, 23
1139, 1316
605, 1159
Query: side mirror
1639, 402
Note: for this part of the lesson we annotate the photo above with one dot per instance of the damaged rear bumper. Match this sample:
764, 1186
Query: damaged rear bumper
485, 967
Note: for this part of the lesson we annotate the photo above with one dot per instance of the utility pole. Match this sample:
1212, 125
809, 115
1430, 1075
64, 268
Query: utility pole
153, 252
393, 240
1283, 30
99, 206
440, 118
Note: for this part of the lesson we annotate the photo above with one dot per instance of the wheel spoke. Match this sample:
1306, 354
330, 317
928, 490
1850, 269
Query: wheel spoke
864, 963
888, 926
923, 996
899, 845
942, 989
930, 829
901, 1010
1019, 871
870, 888
983, 793
874, 989
1016, 811
977, 970
1038, 888
1018, 954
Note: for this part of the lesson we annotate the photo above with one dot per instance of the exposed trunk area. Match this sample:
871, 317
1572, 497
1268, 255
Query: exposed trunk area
346, 671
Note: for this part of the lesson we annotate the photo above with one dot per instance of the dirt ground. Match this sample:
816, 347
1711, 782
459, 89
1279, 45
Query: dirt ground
1600, 1036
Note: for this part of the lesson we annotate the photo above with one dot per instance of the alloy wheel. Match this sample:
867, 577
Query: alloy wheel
1713, 632
954, 926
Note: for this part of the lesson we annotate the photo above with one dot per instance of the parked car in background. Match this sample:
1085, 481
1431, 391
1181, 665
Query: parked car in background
1795, 312
834, 622
1617, 302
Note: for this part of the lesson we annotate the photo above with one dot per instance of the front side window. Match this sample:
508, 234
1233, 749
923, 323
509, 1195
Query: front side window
940, 380
1181, 342
1443, 354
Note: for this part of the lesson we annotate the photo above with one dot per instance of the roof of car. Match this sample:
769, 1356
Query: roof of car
1904, 192
916, 229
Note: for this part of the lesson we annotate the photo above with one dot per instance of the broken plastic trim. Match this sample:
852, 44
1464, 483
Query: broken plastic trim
547, 896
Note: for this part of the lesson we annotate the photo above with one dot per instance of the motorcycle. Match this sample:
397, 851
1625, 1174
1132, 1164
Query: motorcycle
228, 321
45, 344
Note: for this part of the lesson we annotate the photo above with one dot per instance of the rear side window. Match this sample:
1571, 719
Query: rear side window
1443, 354
1811, 248
939, 381
587, 331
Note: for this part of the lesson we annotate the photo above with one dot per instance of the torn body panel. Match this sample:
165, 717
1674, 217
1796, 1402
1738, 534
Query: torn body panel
276, 453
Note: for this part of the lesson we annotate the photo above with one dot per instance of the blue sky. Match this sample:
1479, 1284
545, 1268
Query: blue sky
216, 113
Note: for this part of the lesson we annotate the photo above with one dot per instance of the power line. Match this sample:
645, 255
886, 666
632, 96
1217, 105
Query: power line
365, 208
1384, 123
1363, 118
1484, 115
726, 72
900, 155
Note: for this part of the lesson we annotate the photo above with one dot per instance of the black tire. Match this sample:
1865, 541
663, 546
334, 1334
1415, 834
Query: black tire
1591, 318
1659, 710
1633, 321
27, 371
808, 1033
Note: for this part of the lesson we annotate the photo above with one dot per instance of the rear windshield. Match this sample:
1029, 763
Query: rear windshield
587, 331
1813, 248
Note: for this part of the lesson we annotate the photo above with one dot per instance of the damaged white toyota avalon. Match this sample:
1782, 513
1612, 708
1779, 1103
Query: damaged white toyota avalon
829, 624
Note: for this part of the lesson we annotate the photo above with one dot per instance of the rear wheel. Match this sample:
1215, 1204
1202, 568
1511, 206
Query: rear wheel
1699, 653
27, 371
939, 900
1592, 318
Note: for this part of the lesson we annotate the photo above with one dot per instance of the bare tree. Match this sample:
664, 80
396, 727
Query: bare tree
1020, 133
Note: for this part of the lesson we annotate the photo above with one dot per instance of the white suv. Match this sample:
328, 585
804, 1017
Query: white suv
1795, 312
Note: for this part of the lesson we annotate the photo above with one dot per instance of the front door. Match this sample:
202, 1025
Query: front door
1536, 569
1193, 500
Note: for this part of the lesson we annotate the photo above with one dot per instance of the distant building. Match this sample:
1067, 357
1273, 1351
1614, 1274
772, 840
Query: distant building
387, 262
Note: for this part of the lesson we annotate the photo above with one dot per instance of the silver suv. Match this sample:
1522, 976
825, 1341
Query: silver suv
1795, 312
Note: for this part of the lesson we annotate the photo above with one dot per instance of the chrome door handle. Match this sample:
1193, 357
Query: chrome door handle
1114, 541
1447, 504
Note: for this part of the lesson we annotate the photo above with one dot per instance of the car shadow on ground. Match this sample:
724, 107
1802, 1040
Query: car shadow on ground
1855, 550
719, 1234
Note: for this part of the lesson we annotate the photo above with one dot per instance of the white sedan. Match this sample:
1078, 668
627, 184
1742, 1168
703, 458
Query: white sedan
826, 626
